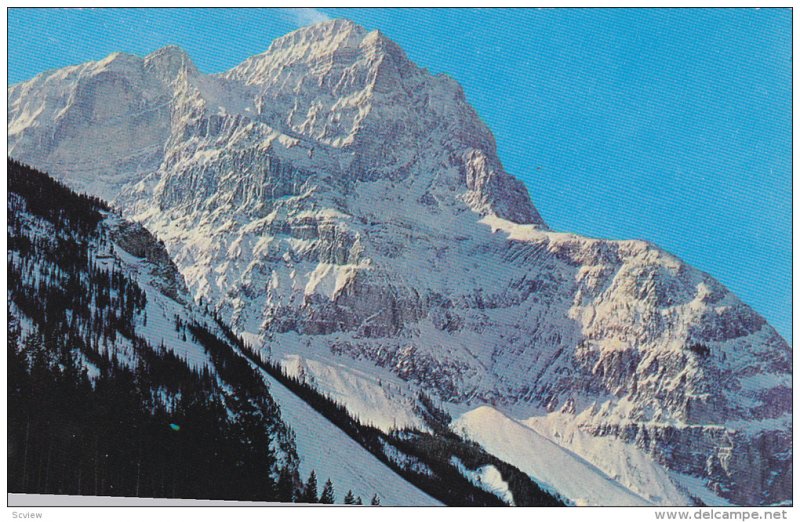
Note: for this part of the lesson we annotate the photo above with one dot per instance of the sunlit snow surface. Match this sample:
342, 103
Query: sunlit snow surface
327, 450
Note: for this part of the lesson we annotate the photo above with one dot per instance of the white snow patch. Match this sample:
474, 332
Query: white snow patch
368, 398
327, 450
553, 467
624, 463
488, 478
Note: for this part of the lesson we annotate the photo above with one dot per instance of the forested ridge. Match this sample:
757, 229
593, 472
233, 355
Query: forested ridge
85, 419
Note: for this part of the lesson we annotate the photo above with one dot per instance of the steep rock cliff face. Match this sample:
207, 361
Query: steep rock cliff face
335, 202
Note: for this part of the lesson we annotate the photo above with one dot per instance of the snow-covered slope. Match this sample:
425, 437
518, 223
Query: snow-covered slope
123, 248
346, 211
329, 452
623, 463
557, 466
549, 464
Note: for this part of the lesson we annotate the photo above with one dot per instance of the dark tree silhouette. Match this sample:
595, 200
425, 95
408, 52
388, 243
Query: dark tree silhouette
286, 486
310, 490
327, 496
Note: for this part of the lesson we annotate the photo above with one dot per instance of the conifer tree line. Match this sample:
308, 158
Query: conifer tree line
82, 420
53, 201
115, 435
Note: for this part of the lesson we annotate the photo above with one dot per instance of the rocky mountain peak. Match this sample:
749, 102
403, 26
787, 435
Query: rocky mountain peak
321, 49
323, 35
333, 85
340, 86
170, 62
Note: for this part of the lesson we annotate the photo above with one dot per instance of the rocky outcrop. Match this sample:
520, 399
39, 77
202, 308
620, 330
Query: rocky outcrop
137, 241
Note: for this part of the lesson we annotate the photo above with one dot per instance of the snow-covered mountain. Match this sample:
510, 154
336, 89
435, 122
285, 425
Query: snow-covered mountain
347, 213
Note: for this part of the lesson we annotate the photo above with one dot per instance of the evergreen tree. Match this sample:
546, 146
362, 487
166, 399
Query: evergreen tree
376, 501
327, 493
349, 499
359, 502
285, 488
310, 492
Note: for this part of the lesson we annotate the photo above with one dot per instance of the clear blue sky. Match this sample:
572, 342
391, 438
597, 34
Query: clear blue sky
667, 125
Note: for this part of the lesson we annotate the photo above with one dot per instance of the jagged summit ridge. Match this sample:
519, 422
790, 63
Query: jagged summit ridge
333, 85
325, 34
330, 39
355, 90
170, 63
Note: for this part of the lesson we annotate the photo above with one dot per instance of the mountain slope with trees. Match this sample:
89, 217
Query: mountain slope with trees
119, 385
100, 402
